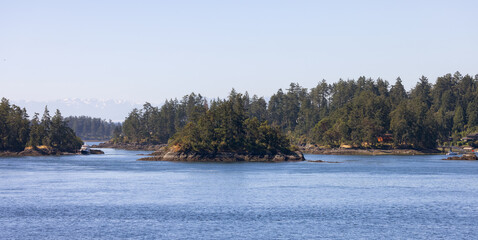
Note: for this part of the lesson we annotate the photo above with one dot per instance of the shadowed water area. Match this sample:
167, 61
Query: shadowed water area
115, 196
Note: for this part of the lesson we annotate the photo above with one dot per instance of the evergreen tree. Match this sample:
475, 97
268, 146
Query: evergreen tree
14, 127
258, 108
4, 128
422, 92
276, 110
35, 138
403, 125
45, 127
397, 93
472, 112
459, 119
320, 98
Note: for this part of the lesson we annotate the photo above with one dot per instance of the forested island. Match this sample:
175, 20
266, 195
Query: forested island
225, 132
46, 136
362, 114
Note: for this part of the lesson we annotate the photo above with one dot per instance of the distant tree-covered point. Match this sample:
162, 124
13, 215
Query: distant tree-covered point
357, 113
88, 128
18, 132
153, 125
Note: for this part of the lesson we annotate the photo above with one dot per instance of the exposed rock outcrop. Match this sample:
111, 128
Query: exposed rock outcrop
96, 151
470, 156
29, 151
223, 157
34, 152
311, 149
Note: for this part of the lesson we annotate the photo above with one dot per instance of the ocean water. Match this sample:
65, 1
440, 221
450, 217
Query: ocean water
113, 196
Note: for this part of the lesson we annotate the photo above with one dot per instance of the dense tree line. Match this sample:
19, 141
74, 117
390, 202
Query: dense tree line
88, 128
422, 118
18, 132
353, 112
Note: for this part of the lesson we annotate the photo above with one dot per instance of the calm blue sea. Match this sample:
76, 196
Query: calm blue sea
114, 196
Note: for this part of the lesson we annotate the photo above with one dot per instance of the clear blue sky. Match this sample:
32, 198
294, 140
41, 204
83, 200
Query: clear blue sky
153, 50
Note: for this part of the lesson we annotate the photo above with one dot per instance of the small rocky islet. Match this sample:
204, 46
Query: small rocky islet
169, 155
468, 157
164, 153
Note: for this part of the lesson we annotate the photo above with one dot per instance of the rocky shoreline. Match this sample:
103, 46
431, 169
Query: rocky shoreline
130, 146
468, 157
43, 152
357, 151
308, 149
223, 157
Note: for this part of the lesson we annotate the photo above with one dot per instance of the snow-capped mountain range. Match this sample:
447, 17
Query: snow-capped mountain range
115, 110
